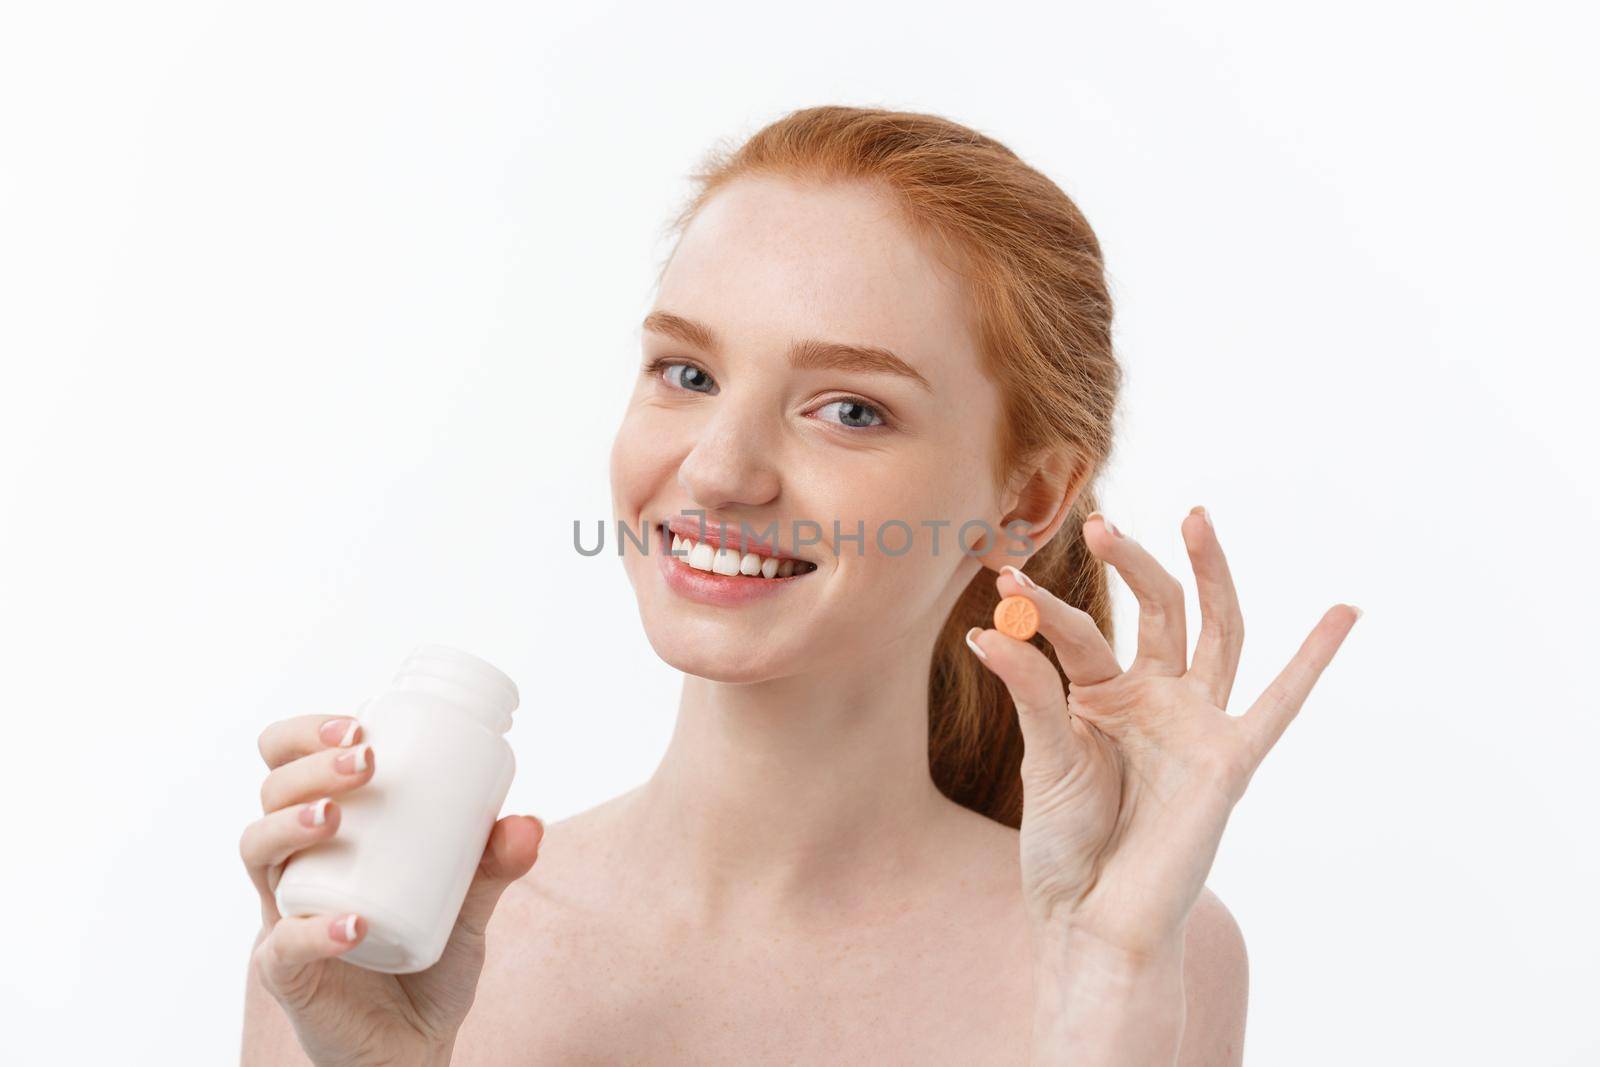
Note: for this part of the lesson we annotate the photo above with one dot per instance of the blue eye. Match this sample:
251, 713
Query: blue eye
693, 378
853, 412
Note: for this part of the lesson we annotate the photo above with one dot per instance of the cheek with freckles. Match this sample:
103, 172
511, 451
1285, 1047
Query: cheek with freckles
641, 470
884, 589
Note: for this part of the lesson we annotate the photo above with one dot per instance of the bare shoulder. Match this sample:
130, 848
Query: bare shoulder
1216, 977
569, 852
555, 931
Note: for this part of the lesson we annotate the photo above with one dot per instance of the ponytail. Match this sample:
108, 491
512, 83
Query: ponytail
974, 738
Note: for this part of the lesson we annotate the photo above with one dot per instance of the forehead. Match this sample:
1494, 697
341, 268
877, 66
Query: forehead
770, 260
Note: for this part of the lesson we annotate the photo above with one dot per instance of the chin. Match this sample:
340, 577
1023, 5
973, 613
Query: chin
726, 664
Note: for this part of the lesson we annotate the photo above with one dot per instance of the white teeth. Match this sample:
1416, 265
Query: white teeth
700, 557
703, 556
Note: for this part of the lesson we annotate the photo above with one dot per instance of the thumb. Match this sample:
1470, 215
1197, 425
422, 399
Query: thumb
513, 846
1050, 746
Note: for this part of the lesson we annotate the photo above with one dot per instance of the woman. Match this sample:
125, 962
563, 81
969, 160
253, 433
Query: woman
883, 831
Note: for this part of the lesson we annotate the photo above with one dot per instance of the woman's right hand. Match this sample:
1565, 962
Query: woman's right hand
345, 1015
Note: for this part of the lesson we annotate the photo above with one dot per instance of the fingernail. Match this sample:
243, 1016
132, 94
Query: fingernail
1019, 576
972, 644
339, 732
1110, 529
1355, 609
315, 813
354, 761
344, 928
1204, 514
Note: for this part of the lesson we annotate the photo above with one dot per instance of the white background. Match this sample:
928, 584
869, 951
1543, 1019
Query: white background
317, 321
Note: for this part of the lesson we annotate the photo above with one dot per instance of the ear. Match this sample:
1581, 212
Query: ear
1042, 498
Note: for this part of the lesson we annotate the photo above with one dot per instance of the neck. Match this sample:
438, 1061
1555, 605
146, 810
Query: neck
811, 791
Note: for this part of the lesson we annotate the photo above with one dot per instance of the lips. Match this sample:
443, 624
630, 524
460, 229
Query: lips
704, 586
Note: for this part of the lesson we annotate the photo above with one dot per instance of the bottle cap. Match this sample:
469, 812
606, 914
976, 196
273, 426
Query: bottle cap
476, 685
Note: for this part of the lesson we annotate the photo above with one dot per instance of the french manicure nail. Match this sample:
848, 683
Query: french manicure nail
1110, 529
343, 928
354, 761
315, 813
1357, 610
972, 644
339, 732
1019, 576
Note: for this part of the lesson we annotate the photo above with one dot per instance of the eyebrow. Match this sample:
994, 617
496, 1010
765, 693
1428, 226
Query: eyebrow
803, 355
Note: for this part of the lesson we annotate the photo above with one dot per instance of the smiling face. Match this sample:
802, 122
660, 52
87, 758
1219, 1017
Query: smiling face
807, 361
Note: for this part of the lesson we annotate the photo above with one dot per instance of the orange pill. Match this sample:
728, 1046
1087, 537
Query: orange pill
1015, 616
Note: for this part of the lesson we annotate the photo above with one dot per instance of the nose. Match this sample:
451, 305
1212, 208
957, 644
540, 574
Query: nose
732, 461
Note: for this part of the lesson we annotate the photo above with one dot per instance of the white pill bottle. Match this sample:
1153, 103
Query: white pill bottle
410, 839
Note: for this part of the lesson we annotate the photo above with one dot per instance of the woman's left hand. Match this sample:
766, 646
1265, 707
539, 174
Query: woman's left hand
1129, 776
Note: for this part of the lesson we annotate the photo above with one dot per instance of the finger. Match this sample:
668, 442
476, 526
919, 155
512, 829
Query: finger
272, 839
1217, 649
510, 853
301, 735
1050, 747
1277, 706
1079, 645
333, 770
1163, 644
285, 956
